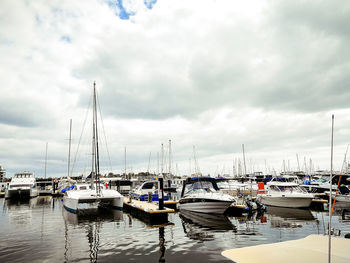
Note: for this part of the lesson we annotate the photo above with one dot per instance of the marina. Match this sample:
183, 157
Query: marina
40, 229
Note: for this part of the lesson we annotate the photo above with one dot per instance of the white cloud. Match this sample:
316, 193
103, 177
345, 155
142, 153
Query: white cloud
215, 74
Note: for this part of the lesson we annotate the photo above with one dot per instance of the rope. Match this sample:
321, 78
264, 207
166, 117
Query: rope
81, 134
104, 133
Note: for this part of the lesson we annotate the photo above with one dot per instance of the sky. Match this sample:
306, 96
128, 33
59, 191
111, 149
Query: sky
209, 75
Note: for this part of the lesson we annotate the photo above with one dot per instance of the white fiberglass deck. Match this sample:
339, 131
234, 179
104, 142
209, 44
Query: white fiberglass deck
313, 248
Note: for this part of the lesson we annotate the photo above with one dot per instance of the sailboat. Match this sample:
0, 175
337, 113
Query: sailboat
86, 196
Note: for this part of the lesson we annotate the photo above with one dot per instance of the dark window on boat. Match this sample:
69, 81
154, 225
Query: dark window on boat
148, 186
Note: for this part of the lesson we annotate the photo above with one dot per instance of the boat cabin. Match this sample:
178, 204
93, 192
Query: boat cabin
195, 184
285, 187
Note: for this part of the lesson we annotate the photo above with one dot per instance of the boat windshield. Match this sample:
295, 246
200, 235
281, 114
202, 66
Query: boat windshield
289, 188
200, 186
148, 186
83, 187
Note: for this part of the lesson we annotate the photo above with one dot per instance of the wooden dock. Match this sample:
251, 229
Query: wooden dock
236, 210
146, 211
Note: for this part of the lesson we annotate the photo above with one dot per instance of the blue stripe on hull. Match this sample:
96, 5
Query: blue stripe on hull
70, 209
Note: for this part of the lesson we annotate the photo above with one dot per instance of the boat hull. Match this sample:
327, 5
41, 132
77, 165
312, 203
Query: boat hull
283, 201
77, 205
204, 206
21, 193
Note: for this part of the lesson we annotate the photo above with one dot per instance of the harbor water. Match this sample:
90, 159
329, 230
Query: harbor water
41, 230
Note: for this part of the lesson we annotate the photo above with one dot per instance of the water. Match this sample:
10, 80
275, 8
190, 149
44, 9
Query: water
39, 230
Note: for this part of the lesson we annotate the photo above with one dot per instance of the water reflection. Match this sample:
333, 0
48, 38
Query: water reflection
161, 244
91, 222
247, 224
342, 209
201, 226
283, 217
20, 210
41, 228
106, 215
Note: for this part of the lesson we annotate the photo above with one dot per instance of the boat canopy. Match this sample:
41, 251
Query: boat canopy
199, 183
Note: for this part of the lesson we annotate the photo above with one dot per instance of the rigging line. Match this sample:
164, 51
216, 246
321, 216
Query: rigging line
340, 175
104, 133
81, 135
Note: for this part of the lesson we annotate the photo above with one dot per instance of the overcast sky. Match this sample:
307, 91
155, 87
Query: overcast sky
210, 74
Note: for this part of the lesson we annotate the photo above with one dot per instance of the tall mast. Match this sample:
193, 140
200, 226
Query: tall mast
157, 162
46, 159
149, 161
93, 150
125, 161
169, 157
69, 147
97, 157
298, 163
330, 197
245, 168
196, 167
162, 159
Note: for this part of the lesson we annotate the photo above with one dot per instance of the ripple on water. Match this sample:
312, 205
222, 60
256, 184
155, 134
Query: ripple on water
42, 231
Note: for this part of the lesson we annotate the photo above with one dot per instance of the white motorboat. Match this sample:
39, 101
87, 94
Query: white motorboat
81, 197
22, 185
343, 194
146, 190
285, 194
236, 188
201, 194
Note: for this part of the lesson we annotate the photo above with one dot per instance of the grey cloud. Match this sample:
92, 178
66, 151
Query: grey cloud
21, 113
300, 70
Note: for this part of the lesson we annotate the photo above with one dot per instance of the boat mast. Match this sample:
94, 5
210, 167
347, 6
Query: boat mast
169, 157
46, 159
69, 148
330, 197
245, 168
125, 162
93, 150
97, 157
149, 162
196, 167
298, 163
162, 159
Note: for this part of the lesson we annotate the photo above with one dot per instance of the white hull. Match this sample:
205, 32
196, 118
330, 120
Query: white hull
21, 193
340, 197
343, 198
77, 201
22, 186
214, 207
285, 201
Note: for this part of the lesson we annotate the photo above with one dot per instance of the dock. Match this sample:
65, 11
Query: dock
146, 211
171, 204
313, 248
236, 210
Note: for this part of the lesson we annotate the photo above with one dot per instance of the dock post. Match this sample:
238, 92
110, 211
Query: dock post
160, 193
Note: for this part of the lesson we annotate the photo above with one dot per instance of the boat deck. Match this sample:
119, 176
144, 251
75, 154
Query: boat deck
313, 248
